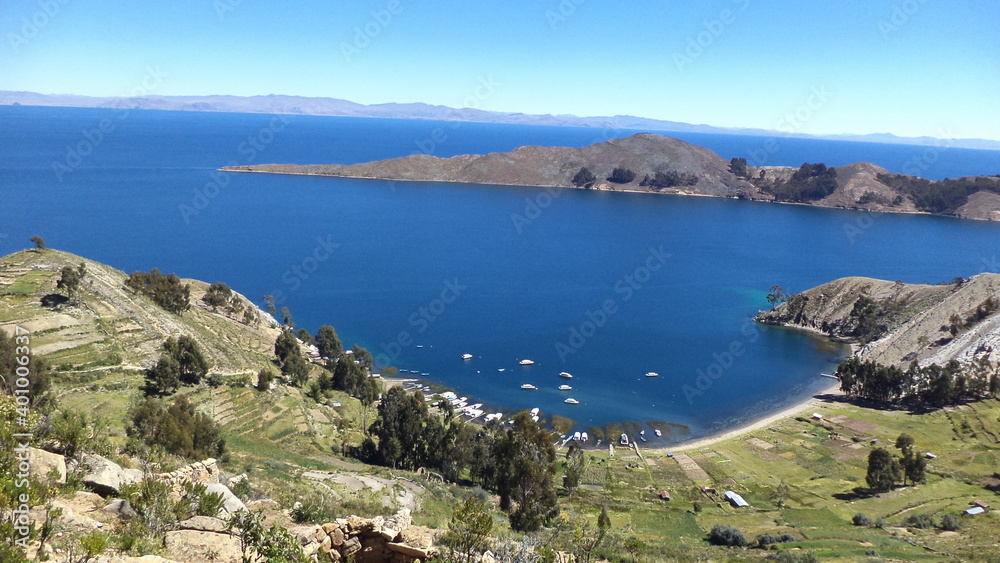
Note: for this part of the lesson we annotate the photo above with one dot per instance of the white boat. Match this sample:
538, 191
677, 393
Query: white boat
623, 439
526, 363
500, 370
566, 375
571, 401
466, 356
529, 386
652, 374
534, 411
576, 435
658, 433
565, 388
584, 437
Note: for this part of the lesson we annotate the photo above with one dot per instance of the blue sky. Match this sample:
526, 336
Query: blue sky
909, 67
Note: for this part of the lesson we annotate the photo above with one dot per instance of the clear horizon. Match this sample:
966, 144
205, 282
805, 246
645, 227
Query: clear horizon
911, 68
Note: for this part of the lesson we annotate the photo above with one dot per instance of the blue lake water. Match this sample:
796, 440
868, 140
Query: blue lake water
606, 286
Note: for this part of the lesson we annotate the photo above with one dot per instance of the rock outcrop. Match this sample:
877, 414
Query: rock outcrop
376, 540
46, 466
104, 476
905, 322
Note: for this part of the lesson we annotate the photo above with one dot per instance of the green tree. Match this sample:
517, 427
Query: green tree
264, 378
178, 429
575, 462
526, 467
586, 541
286, 345
70, 279
328, 343
259, 544
738, 166
883, 470
584, 178
166, 291
286, 318
304, 336
269, 302
217, 295
190, 361
722, 534
297, 370
776, 295
39, 242
363, 357
164, 378
469, 530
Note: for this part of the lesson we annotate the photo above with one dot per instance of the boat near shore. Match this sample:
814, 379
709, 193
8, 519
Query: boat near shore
528, 387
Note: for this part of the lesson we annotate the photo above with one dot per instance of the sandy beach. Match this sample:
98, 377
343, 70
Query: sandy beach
810, 405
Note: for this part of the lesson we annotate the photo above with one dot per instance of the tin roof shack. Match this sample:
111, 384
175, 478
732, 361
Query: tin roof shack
736, 500
664, 495
975, 510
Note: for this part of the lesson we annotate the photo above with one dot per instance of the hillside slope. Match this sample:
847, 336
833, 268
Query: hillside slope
111, 327
905, 323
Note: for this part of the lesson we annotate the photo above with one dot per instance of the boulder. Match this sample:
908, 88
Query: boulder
106, 477
337, 537
232, 503
351, 546
410, 551
194, 545
121, 508
304, 534
44, 463
203, 524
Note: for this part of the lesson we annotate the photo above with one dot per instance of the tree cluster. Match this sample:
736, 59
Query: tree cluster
166, 291
293, 365
669, 179
811, 182
176, 428
621, 176
584, 178
218, 295
517, 461
738, 166
180, 362
944, 196
885, 470
931, 385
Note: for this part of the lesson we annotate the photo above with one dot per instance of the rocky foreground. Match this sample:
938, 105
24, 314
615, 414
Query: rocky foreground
895, 323
858, 185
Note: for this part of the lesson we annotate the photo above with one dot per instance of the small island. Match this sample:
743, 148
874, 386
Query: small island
651, 163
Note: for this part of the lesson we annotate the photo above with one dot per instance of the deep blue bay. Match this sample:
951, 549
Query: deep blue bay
606, 286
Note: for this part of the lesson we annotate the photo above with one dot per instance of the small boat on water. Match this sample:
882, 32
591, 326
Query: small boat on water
657, 432
529, 386
576, 435
424, 373
624, 439
641, 437
566, 375
466, 356
527, 362
584, 437
534, 411
565, 388
500, 370
571, 401
414, 371
652, 374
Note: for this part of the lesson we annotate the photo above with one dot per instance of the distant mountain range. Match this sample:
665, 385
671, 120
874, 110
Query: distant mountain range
300, 105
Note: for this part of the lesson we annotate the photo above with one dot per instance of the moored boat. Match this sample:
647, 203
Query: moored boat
565, 388
527, 362
528, 386
566, 375
652, 374
571, 401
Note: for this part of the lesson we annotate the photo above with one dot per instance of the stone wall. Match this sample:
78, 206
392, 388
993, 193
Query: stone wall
376, 540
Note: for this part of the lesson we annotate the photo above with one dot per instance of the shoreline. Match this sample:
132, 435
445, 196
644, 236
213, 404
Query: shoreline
809, 403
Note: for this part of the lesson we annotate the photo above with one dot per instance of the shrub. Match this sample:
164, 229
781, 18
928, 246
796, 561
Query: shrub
177, 429
166, 291
765, 540
921, 521
722, 534
950, 523
621, 176
880, 523
584, 178
861, 520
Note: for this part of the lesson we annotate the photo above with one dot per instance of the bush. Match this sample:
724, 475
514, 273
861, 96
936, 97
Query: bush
950, 523
921, 521
584, 178
722, 534
166, 291
861, 520
765, 540
177, 429
880, 523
